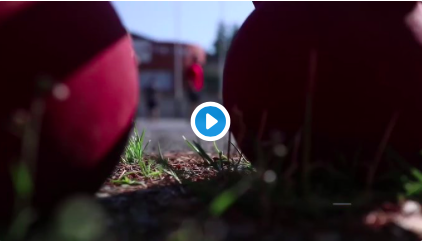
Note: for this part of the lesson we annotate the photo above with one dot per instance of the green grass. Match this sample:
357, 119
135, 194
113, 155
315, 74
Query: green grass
166, 166
125, 180
413, 184
222, 162
150, 169
135, 148
134, 154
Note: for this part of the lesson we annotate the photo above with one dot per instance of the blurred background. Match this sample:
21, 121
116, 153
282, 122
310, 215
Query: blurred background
168, 37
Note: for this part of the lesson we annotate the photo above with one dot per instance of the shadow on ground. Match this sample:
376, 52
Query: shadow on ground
185, 212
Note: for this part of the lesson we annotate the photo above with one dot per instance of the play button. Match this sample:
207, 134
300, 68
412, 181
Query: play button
210, 121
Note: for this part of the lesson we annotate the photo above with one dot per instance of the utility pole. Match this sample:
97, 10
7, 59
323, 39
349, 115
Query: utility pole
178, 58
221, 54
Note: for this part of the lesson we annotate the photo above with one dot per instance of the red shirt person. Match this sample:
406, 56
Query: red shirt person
195, 79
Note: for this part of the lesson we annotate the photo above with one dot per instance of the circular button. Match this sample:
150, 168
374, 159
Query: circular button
210, 121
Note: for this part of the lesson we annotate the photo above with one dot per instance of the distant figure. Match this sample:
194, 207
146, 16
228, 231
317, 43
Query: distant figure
195, 79
152, 100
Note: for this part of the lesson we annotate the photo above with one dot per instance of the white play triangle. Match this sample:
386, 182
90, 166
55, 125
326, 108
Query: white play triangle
210, 121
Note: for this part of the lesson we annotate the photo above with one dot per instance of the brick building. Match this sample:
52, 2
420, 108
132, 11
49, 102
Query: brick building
157, 61
158, 67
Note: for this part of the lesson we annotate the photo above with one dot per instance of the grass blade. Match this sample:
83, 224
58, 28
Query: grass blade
146, 145
140, 144
228, 197
236, 167
216, 148
191, 145
203, 153
416, 174
166, 167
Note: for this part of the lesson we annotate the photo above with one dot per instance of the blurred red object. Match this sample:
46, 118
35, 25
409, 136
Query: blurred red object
69, 96
195, 75
356, 68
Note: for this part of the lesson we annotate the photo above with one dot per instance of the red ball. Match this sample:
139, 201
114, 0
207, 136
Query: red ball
355, 65
69, 96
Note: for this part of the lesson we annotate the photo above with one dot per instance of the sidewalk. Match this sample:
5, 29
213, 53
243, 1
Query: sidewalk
168, 132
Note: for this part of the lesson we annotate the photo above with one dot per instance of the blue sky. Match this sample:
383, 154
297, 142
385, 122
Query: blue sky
198, 21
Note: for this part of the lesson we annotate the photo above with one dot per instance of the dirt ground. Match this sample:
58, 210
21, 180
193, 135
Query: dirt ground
163, 209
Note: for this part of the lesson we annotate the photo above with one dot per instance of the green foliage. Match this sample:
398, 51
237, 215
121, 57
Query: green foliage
125, 180
222, 162
135, 149
24, 214
134, 154
166, 166
79, 218
150, 169
413, 185
201, 152
224, 38
228, 197
220, 40
222, 202
22, 180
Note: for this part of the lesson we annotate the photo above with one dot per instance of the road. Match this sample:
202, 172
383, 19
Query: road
169, 132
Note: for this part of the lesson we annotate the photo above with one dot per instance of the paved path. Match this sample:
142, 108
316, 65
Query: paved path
169, 132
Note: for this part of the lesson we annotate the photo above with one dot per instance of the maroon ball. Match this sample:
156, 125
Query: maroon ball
68, 97
349, 72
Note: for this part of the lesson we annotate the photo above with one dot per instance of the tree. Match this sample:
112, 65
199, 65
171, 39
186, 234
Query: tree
212, 70
221, 39
225, 36
232, 35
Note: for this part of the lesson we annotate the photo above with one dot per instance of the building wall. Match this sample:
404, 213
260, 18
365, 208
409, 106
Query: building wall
157, 69
157, 60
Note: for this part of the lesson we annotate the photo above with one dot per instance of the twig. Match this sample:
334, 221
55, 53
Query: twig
241, 156
381, 148
121, 175
295, 154
228, 148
